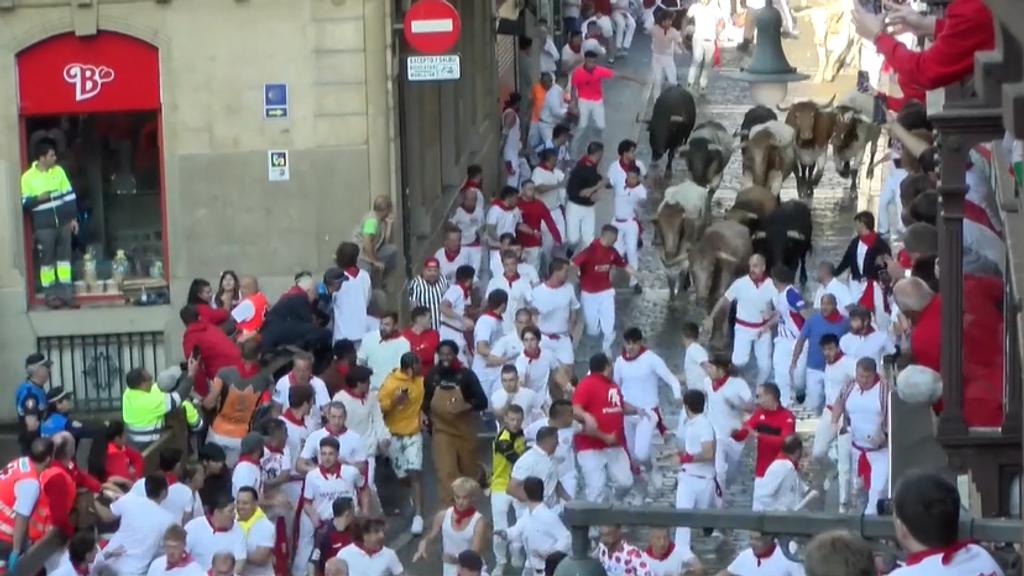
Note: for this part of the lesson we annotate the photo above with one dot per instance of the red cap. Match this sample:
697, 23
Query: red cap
432, 262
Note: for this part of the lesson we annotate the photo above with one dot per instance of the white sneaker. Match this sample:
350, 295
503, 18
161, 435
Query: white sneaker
656, 480
417, 526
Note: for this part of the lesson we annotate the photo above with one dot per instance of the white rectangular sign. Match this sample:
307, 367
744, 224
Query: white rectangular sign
433, 68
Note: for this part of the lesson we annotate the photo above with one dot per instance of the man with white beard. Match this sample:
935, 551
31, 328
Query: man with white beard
698, 486
840, 372
637, 372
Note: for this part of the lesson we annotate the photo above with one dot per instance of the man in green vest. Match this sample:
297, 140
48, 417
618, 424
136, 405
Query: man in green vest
374, 237
144, 405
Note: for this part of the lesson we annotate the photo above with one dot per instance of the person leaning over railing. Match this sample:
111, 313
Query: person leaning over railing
144, 405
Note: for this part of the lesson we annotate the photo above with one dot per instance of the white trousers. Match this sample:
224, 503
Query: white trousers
501, 504
639, 434
692, 493
878, 473
304, 546
625, 28
700, 66
889, 200
569, 478
603, 469
751, 339
837, 449
788, 24
599, 316
727, 459
664, 68
561, 347
547, 241
232, 447
475, 257
579, 224
782, 358
628, 243
532, 257
815, 390
448, 333
590, 111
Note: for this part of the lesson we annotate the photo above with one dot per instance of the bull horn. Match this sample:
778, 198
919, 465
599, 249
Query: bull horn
727, 257
795, 235
828, 105
676, 119
783, 109
757, 236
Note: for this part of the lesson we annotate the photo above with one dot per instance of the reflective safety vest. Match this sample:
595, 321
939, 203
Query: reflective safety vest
236, 410
259, 303
16, 471
143, 413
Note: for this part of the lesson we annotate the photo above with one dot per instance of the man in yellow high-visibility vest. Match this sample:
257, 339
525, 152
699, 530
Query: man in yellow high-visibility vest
47, 196
144, 405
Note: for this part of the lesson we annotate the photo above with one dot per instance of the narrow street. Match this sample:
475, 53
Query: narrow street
729, 101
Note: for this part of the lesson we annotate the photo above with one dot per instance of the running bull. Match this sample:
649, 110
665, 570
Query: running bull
682, 216
813, 125
785, 237
768, 156
672, 120
852, 133
719, 258
754, 117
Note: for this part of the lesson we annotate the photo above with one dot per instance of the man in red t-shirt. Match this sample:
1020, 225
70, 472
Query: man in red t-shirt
423, 339
597, 294
600, 448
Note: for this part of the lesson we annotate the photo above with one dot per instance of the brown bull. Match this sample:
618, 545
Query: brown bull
813, 124
716, 260
677, 230
752, 206
768, 156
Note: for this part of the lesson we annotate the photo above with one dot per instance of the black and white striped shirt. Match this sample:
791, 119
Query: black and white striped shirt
423, 293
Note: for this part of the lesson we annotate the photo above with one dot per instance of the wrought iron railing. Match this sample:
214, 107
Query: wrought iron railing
93, 367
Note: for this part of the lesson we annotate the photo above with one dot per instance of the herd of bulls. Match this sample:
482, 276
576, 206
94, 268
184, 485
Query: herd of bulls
708, 256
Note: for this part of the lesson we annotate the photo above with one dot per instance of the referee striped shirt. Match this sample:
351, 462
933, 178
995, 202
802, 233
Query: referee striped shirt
423, 293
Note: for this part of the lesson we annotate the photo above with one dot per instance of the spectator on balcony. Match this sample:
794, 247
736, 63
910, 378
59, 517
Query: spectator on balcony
982, 343
965, 29
983, 251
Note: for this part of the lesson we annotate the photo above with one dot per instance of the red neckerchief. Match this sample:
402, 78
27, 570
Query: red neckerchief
498, 202
83, 571
342, 368
796, 462
254, 461
764, 555
626, 166
361, 396
332, 471
638, 354
292, 381
171, 477
511, 279
470, 185
873, 384
661, 557
209, 520
451, 256
290, 417
531, 356
587, 161
460, 516
947, 553
248, 370
465, 291
834, 317
869, 239
493, 314
717, 383
837, 359
904, 259
185, 560
352, 272
758, 280
576, 49
455, 364
337, 433
368, 551
273, 450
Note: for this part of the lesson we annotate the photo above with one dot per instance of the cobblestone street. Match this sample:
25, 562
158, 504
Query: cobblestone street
650, 311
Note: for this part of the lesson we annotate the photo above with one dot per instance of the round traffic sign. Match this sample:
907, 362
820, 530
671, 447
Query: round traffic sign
432, 26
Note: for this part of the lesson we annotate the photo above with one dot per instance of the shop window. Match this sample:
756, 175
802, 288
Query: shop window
113, 164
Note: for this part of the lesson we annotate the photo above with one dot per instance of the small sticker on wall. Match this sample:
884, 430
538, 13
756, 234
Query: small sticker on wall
277, 166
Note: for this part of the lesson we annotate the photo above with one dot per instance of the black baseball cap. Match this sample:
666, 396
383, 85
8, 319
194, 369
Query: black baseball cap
333, 275
56, 394
470, 560
37, 359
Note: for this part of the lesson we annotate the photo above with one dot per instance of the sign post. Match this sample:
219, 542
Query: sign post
432, 29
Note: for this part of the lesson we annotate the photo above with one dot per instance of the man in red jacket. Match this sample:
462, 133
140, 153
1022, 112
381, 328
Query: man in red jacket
216, 349
536, 215
770, 423
62, 480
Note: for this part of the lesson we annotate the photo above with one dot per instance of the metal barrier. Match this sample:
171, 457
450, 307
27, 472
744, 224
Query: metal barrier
788, 527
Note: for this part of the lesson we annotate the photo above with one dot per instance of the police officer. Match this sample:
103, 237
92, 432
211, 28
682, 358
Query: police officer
30, 399
56, 419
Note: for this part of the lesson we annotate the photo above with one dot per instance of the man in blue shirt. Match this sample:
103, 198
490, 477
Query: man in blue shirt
30, 399
827, 320
57, 419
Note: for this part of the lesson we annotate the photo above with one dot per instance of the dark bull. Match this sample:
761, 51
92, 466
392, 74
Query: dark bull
672, 120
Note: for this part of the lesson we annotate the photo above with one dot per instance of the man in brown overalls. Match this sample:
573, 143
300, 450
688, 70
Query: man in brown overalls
452, 401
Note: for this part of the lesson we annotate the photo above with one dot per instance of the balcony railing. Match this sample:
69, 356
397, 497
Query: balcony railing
93, 368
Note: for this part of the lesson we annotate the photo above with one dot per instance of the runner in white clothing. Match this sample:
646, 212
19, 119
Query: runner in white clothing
698, 486
625, 26
516, 286
863, 341
538, 368
577, 46
626, 219
511, 141
864, 404
754, 298
557, 314
454, 322
729, 399
781, 489
666, 40
695, 359
791, 313
708, 22
840, 372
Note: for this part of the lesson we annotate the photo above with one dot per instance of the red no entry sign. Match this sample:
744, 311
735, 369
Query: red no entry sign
432, 27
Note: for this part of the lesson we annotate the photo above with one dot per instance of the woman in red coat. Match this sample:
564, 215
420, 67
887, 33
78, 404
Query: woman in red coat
113, 460
200, 295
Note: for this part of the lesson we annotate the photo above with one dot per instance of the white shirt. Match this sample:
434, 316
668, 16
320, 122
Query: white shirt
627, 202
693, 434
159, 568
246, 474
180, 501
203, 542
320, 398
520, 295
664, 42
276, 464
350, 303
531, 403
874, 345
535, 373
553, 306
788, 305
837, 289
262, 534
488, 330
143, 523
295, 444
780, 489
541, 532
544, 177
384, 563
972, 560
693, 369
448, 267
675, 564
705, 20
753, 301
322, 489
746, 564
725, 406
508, 346
565, 455
553, 108
364, 419
638, 378
571, 59
504, 220
353, 449
381, 356
458, 297
617, 174
549, 56
864, 412
539, 464
837, 375
469, 223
